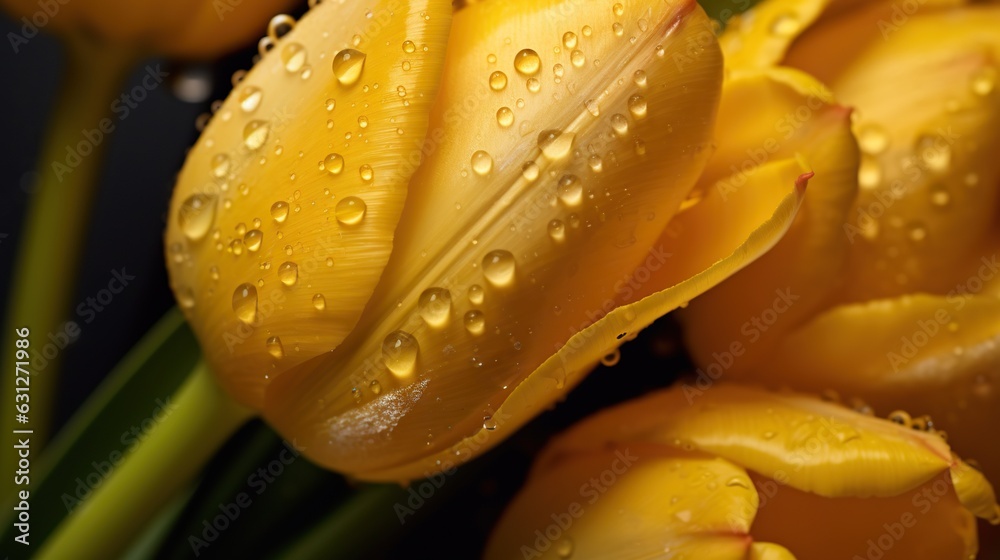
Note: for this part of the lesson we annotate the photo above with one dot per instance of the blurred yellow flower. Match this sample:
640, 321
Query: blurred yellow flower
557, 200
743, 473
182, 28
896, 289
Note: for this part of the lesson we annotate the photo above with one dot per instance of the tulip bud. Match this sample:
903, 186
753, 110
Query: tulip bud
736, 472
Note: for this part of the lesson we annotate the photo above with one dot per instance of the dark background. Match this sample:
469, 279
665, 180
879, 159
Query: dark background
143, 155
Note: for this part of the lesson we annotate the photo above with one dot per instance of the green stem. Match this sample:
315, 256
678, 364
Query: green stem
54, 230
201, 419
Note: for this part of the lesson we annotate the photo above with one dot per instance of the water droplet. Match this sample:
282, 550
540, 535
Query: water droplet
935, 155
505, 117
533, 85
592, 107
869, 172
253, 239
375, 387
220, 165
900, 417
527, 62
569, 40
196, 215
555, 144
213, 272
293, 55
351, 210
245, 303
489, 423
557, 230
334, 164
530, 171
872, 139
347, 66
366, 173
565, 547
319, 302
570, 190
917, 232
577, 58
409, 47
250, 98
639, 78
738, 482
637, 106
399, 353
612, 358
274, 348
482, 163
288, 273
279, 26
498, 81
786, 25
587, 31
255, 134
618, 29
476, 294
435, 306
768, 435
984, 81
185, 298
498, 267
279, 211
619, 124
940, 196
475, 322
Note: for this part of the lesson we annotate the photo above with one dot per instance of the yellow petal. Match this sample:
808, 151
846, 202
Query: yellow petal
814, 446
663, 476
927, 354
182, 28
283, 216
523, 259
631, 503
801, 274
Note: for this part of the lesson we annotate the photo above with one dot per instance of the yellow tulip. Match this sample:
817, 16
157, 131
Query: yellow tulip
561, 164
184, 28
743, 473
895, 289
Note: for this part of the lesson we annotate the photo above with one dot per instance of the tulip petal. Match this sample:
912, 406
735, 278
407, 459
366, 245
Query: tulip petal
494, 270
932, 355
627, 503
926, 522
769, 551
777, 113
283, 217
814, 446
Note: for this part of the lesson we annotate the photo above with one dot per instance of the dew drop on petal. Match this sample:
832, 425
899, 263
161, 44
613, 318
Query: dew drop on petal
434, 305
274, 348
498, 267
475, 322
319, 302
255, 134
347, 66
527, 62
279, 211
196, 215
245, 303
482, 163
288, 273
399, 353
334, 164
351, 210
